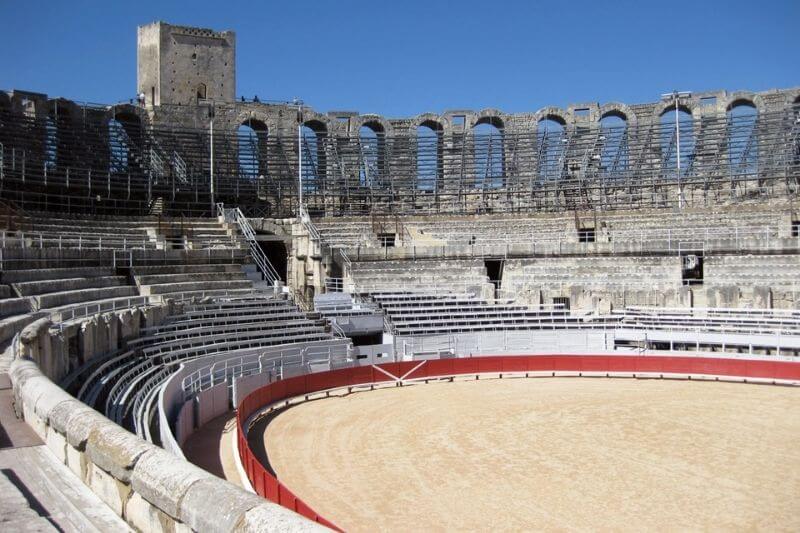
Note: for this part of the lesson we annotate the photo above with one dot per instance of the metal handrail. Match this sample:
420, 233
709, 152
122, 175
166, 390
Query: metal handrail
262, 262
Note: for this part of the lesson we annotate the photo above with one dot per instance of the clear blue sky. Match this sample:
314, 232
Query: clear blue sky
403, 57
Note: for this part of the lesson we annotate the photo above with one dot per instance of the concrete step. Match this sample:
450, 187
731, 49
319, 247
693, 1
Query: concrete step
60, 299
185, 269
21, 276
168, 288
5, 291
12, 325
160, 279
14, 306
32, 288
55, 495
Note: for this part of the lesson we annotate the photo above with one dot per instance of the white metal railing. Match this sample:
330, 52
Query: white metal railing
180, 167
95, 308
40, 240
235, 215
270, 360
334, 284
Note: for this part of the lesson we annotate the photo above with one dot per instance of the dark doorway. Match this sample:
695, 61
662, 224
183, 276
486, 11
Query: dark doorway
277, 255
692, 269
494, 269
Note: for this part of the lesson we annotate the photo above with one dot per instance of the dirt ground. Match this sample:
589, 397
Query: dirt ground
547, 454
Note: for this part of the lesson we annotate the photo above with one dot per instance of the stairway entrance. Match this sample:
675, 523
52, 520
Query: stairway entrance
494, 269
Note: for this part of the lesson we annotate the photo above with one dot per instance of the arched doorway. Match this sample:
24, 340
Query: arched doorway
742, 138
550, 148
488, 153
614, 154
671, 146
372, 141
429, 156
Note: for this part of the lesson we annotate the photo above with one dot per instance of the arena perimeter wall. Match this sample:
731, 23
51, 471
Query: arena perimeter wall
150, 488
268, 486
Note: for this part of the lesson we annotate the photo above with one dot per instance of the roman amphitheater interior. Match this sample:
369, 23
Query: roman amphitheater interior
165, 258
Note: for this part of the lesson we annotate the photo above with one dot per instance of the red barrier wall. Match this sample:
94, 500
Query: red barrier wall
270, 488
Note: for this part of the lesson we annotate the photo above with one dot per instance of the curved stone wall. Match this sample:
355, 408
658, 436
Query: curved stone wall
148, 487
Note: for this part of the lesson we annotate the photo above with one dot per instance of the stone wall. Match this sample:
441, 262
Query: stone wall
148, 487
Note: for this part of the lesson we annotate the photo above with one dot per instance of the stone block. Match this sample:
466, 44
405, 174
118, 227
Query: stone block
57, 443
163, 479
143, 516
81, 424
115, 449
215, 505
108, 488
270, 516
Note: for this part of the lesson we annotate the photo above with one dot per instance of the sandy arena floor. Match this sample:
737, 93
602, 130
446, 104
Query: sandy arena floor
567, 454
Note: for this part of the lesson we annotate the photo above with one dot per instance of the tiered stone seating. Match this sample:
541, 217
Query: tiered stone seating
349, 233
650, 226
204, 329
415, 314
749, 270
452, 275
58, 289
47, 230
592, 271
192, 280
198, 234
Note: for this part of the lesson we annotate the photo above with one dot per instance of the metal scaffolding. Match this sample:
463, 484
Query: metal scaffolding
120, 165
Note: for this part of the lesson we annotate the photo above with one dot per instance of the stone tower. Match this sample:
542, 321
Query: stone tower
181, 65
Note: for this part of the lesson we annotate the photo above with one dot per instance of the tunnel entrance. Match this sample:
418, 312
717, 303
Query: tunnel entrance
494, 269
276, 253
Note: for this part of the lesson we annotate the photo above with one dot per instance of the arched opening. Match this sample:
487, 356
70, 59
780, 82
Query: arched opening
252, 142
277, 254
313, 152
50, 143
742, 138
614, 154
124, 136
429, 155
371, 139
118, 143
550, 146
488, 153
677, 137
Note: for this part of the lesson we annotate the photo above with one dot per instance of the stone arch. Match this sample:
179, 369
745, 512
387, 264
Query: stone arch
429, 152
315, 162
492, 117
488, 149
59, 138
742, 118
371, 149
685, 105
556, 114
429, 120
252, 136
740, 98
376, 123
617, 109
688, 117
550, 144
